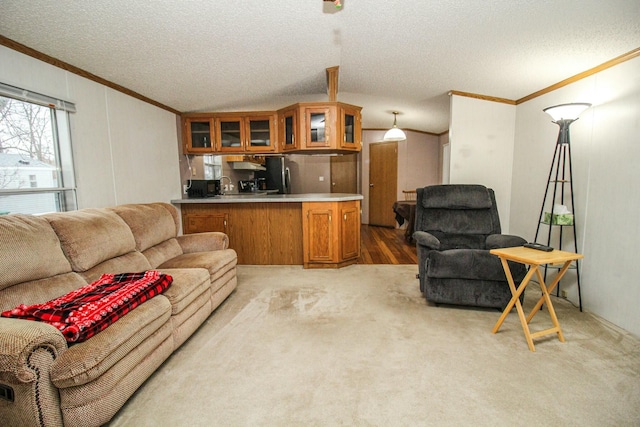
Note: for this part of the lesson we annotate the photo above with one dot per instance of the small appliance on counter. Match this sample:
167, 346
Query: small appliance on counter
247, 186
199, 188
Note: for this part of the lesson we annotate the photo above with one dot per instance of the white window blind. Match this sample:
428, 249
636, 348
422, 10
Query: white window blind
36, 98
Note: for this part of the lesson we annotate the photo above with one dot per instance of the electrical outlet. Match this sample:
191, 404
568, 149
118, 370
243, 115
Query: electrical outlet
184, 189
193, 171
321, 178
563, 294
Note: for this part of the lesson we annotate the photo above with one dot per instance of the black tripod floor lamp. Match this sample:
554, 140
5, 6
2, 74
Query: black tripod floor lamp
555, 211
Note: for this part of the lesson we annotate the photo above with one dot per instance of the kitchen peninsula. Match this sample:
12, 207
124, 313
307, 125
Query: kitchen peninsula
317, 230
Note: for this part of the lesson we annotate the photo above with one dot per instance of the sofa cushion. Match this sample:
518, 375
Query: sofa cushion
34, 250
127, 263
158, 254
86, 311
39, 291
88, 360
188, 284
216, 262
91, 236
139, 216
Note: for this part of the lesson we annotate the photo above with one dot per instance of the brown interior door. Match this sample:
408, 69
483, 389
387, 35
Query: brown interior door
344, 174
383, 183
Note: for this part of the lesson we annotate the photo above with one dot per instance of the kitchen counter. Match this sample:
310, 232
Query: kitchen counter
271, 198
316, 230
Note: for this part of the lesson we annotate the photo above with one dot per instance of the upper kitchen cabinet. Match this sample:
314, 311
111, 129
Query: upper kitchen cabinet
320, 126
240, 133
304, 127
198, 135
350, 127
261, 131
288, 131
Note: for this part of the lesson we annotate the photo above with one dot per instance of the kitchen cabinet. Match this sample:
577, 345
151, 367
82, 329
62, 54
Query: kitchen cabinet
320, 235
323, 232
331, 233
310, 127
349, 229
288, 130
350, 127
198, 135
204, 222
260, 233
320, 126
240, 133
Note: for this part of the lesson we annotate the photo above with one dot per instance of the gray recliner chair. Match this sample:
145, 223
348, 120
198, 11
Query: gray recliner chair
455, 227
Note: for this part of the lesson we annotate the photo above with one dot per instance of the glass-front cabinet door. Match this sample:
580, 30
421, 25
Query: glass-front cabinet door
230, 134
199, 135
288, 129
350, 128
318, 127
260, 131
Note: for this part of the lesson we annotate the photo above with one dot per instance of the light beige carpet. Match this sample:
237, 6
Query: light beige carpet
359, 346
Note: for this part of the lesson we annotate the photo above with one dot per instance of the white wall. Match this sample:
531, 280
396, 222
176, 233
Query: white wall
124, 149
481, 137
418, 163
605, 146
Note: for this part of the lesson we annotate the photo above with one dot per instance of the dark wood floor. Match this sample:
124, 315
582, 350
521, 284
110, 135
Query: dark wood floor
381, 245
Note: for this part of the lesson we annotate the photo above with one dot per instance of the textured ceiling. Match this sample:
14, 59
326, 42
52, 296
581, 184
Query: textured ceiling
393, 54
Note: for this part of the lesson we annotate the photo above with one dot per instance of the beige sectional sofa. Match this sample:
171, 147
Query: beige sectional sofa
46, 381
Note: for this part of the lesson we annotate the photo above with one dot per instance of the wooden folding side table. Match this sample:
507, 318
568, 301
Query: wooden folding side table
534, 259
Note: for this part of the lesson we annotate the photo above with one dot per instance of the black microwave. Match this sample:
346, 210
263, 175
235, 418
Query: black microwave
203, 188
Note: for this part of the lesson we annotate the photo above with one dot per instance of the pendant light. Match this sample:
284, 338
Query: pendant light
395, 133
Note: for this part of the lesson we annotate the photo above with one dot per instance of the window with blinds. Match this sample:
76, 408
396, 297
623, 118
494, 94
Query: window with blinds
36, 167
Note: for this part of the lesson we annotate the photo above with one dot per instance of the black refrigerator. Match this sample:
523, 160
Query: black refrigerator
277, 175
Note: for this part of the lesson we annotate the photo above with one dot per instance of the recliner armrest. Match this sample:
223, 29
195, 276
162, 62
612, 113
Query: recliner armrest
20, 339
427, 240
496, 241
203, 242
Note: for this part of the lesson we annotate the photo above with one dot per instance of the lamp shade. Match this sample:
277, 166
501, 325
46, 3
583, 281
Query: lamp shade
395, 133
566, 111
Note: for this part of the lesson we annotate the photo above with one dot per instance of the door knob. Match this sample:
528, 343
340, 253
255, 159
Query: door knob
370, 185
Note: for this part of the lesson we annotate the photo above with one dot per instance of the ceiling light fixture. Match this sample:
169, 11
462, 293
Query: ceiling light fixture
395, 133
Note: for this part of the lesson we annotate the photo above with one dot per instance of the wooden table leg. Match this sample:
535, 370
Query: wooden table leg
550, 288
515, 300
552, 312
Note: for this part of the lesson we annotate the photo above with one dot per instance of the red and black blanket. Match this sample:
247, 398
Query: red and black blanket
82, 313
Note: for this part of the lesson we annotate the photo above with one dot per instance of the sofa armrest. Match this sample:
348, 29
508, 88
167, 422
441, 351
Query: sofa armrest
28, 351
427, 240
19, 339
203, 242
496, 241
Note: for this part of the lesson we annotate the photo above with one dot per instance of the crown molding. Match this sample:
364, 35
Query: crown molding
12, 44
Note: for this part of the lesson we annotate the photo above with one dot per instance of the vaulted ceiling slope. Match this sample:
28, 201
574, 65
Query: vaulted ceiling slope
403, 55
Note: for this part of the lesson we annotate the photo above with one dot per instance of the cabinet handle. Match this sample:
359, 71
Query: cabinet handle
345, 217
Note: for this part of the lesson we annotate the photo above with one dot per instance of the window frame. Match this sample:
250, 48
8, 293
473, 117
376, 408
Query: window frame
65, 193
